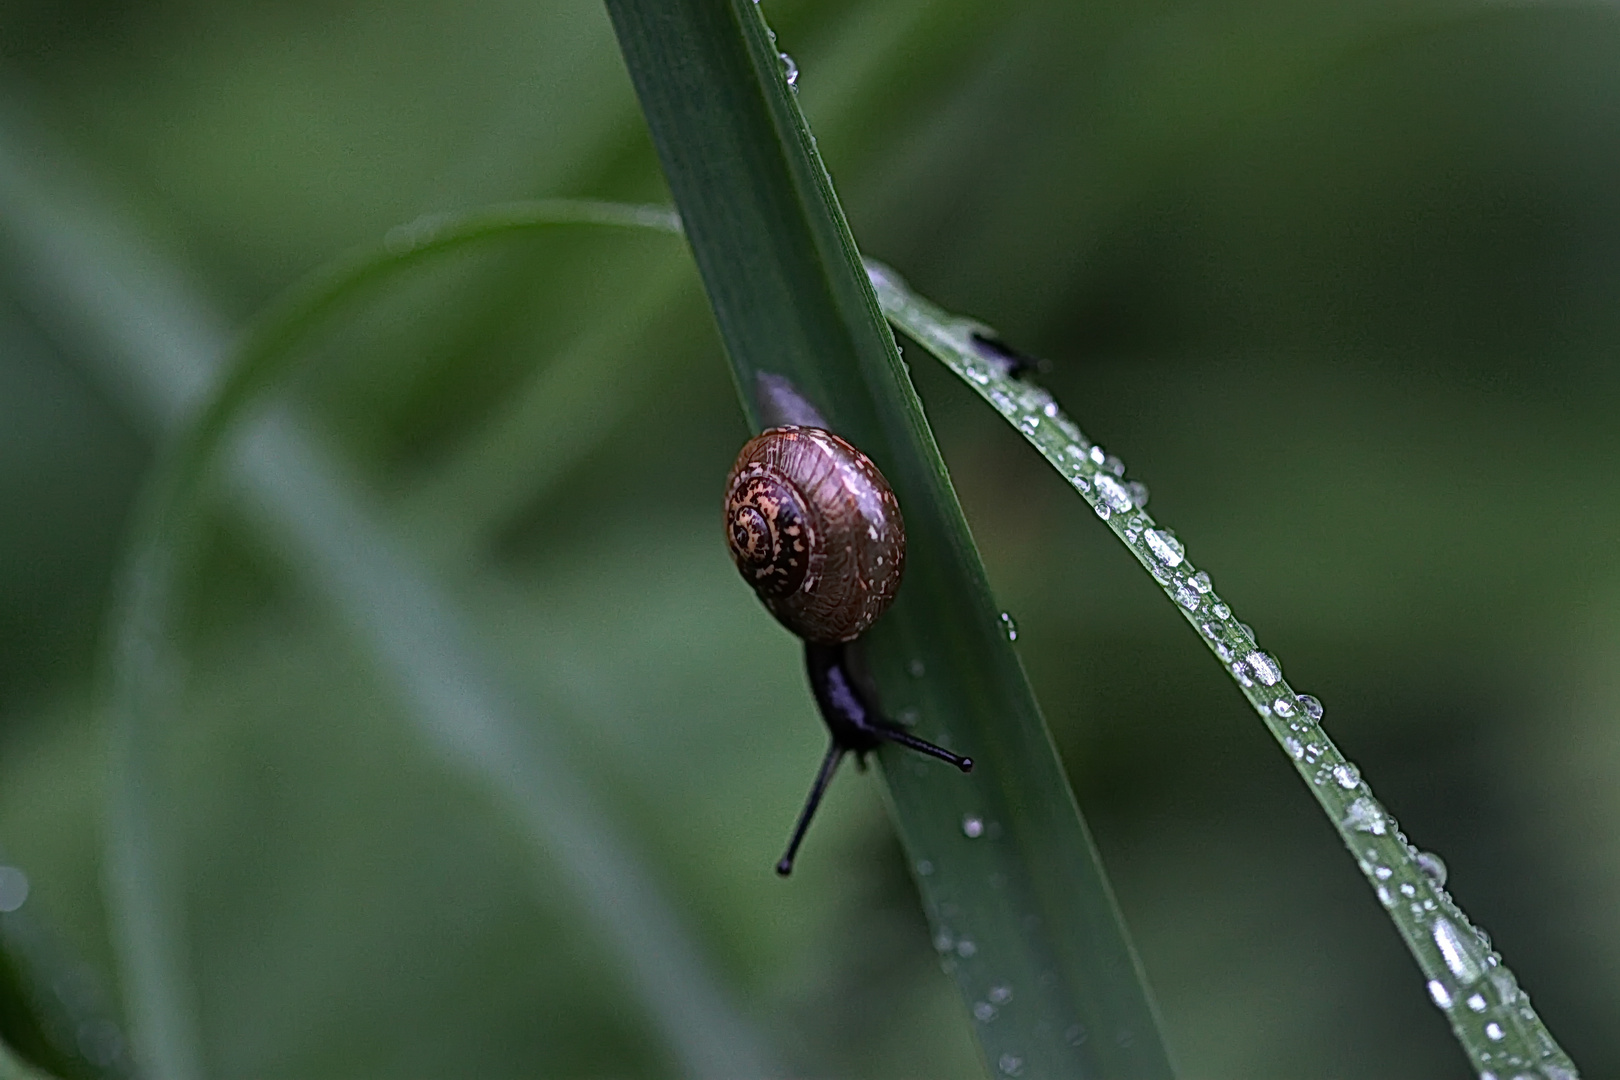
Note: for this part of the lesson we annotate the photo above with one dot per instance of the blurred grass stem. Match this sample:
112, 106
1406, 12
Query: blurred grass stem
116, 301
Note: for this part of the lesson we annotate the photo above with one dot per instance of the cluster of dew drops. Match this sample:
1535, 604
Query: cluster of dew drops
1474, 967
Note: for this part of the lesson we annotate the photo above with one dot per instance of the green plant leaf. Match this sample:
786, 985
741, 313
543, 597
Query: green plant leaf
414, 632
1490, 1016
1021, 912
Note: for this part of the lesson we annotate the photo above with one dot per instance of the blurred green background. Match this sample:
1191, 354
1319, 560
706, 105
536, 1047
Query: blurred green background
1337, 280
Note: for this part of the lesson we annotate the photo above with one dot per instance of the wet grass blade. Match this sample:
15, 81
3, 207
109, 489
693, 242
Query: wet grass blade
1490, 1016
1021, 911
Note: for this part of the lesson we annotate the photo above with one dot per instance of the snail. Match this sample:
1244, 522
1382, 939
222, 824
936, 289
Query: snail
815, 529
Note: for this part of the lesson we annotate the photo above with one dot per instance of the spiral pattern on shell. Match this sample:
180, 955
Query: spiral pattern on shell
816, 530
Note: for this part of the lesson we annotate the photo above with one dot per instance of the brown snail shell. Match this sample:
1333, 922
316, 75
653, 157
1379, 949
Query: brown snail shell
816, 530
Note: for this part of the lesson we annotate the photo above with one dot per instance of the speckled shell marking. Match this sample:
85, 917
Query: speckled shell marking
816, 530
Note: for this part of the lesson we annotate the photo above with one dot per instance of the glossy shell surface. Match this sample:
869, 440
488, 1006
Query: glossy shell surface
815, 529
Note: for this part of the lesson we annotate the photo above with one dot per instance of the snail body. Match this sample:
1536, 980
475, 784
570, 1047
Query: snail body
816, 530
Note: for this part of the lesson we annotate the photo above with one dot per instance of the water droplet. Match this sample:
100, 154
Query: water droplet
13, 888
966, 948
1249, 630
1187, 596
1208, 630
1221, 610
1028, 424
1347, 776
1001, 993
1408, 890
1165, 547
1112, 493
984, 1012
917, 669
1009, 627
790, 71
1075, 451
1223, 652
924, 868
1102, 510
1050, 409
1494, 1032
943, 942
1201, 582
1438, 991
1010, 1065
1295, 750
1384, 897
1283, 707
1476, 1002
1312, 707
1365, 815
1241, 673
1433, 867
1456, 952
1138, 492
972, 826
1097, 455
1264, 667
1134, 528
1112, 464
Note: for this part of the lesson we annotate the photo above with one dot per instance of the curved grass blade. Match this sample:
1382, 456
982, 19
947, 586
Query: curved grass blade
157, 343
1490, 1016
1022, 914
419, 639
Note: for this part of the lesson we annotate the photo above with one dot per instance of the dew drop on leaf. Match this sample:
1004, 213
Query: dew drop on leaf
1264, 667
1441, 996
1165, 547
1112, 493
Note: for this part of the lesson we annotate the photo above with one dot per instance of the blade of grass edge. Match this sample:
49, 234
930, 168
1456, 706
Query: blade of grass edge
1021, 911
1497, 1029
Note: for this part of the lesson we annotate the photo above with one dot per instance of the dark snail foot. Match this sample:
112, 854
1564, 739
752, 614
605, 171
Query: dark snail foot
855, 724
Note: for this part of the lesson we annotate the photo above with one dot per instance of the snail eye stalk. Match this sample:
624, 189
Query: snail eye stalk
829, 765
854, 723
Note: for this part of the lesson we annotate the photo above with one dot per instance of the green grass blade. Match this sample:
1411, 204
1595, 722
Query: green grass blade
1490, 1016
1022, 914
159, 342
417, 636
